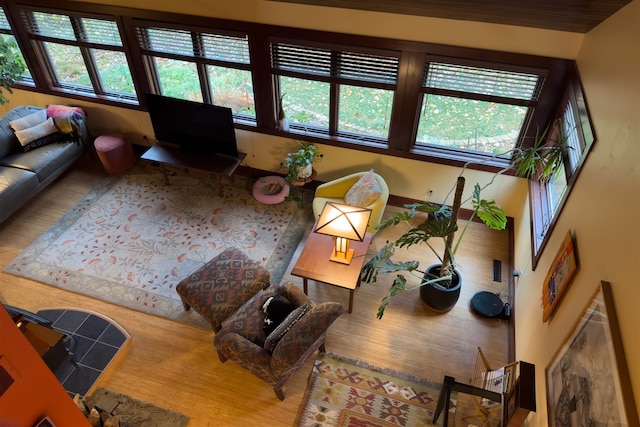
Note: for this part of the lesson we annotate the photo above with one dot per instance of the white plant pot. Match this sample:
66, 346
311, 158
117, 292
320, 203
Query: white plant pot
283, 125
305, 172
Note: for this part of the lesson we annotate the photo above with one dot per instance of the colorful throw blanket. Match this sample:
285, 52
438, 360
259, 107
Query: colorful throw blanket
66, 118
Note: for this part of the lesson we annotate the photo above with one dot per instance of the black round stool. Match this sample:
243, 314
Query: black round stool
486, 304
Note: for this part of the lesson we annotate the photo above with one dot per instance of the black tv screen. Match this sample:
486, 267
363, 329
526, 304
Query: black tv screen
201, 129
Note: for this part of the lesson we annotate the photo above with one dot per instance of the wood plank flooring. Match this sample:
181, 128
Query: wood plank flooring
175, 366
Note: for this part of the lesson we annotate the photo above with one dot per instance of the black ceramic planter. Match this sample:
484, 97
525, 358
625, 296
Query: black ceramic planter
439, 299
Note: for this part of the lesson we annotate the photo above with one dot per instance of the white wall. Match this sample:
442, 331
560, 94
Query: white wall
602, 210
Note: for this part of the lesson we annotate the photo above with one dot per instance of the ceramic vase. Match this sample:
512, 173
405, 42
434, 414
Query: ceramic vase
305, 172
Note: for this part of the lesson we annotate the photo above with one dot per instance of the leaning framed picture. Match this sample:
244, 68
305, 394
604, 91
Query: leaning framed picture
588, 381
562, 270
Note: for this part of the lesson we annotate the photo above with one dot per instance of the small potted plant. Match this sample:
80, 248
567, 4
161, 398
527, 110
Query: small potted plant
11, 68
440, 284
299, 163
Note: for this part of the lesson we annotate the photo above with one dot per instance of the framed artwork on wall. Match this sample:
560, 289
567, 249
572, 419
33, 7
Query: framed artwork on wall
562, 270
587, 380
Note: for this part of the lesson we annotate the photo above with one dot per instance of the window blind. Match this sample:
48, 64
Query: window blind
218, 47
483, 81
48, 25
4, 23
326, 62
72, 28
570, 132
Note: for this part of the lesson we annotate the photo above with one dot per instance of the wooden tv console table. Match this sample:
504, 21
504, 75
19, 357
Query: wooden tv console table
171, 158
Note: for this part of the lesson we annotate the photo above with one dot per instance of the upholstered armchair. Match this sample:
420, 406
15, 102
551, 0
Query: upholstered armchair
335, 191
241, 337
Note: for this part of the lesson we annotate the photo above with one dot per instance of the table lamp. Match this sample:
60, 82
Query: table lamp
344, 223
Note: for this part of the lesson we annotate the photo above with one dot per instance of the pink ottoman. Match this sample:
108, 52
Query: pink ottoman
270, 190
115, 153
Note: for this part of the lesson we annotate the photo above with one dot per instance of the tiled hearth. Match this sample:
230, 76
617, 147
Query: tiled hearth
96, 342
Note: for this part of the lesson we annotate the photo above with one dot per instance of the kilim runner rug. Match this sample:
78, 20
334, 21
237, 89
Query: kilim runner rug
349, 393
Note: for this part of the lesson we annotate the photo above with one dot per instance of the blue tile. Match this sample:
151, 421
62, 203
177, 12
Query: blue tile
113, 336
99, 356
95, 342
63, 372
81, 347
81, 380
71, 320
92, 327
51, 315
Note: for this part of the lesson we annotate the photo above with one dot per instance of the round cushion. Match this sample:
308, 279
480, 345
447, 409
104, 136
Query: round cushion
270, 190
115, 153
487, 304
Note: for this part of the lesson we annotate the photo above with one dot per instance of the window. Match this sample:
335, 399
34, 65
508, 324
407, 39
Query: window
573, 129
437, 103
336, 91
474, 108
212, 67
7, 38
306, 103
83, 55
440, 103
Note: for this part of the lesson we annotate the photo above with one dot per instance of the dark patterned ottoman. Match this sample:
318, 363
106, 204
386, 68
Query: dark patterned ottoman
222, 285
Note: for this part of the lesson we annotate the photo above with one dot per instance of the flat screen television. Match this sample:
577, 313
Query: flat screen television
200, 129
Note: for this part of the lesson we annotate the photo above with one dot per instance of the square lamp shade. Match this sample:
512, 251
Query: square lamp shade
344, 223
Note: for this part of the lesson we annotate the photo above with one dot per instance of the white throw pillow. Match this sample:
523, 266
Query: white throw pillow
29, 121
43, 129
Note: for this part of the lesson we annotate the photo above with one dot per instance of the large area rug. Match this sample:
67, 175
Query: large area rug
132, 239
349, 393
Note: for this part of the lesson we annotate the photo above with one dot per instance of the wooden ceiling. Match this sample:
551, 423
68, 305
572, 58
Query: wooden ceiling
577, 16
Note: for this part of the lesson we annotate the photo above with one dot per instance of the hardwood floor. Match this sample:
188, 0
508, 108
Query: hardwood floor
175, 366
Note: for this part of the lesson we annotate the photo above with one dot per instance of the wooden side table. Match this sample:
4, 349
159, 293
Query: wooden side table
314, 264
296, 186
300, 182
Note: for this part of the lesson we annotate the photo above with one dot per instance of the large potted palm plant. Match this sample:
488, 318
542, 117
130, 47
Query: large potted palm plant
440, 284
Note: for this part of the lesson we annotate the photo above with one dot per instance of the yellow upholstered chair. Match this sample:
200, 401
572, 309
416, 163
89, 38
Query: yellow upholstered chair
334, 191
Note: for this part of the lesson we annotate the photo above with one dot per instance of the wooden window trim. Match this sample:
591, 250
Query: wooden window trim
410, 70
538, 197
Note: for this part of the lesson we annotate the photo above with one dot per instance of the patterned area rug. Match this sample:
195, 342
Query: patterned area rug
133, 412
132, 239
348, 393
